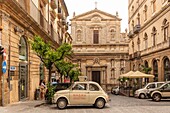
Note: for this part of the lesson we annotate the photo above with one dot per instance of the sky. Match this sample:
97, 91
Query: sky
109, 6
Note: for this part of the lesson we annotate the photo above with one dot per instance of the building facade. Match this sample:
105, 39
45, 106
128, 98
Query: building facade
100, 49
20, 21
149, 34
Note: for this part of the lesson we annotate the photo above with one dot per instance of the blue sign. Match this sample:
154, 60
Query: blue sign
4, 66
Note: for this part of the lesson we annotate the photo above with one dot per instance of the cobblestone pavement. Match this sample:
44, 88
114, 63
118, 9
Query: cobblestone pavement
118, 104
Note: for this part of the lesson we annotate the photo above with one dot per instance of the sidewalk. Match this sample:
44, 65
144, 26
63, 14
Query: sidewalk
21, 106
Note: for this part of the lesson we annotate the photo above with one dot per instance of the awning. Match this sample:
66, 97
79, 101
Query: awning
139, 74
127, 74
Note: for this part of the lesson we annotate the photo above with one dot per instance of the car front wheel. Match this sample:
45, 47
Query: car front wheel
142, 96
156, 97
100, 103
61, 103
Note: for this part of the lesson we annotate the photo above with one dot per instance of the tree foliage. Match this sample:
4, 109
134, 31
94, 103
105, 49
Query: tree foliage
48, 54
66, 69
145, 69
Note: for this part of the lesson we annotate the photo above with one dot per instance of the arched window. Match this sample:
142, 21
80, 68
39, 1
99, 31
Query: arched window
166, 69
146, 64
153, 6
112, 34
132, 24
145, 12
165, 29
138, 19
78, 35
155, 70
138, 42
113, 73
23, 49
122, 71
133, 67
146, 40
154, 36
122, 63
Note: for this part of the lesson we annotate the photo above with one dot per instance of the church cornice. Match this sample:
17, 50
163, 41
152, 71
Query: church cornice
93, 11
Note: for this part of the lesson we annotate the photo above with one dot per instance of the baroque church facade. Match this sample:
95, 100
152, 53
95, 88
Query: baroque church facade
101, 50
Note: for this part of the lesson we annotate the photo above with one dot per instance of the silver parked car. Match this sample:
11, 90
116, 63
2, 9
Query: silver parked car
141, 93
115, 90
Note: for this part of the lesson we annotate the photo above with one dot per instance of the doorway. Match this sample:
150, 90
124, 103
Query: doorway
96, 76
23, 81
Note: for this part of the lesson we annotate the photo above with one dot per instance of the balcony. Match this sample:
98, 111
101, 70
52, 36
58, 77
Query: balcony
136, 29
137, 54
53, 4
159, 47
59, 14
130, 34
53, 14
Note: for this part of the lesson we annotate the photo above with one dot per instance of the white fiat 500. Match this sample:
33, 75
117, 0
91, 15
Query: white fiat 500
82, 93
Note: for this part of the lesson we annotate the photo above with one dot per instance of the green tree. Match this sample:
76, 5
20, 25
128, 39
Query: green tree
64, 68
74, 73
146, 70
49, 54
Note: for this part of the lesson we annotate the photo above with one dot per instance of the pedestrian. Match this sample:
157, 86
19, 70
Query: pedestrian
42, 89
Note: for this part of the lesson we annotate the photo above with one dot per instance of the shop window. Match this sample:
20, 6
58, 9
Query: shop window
155, 70
166, 69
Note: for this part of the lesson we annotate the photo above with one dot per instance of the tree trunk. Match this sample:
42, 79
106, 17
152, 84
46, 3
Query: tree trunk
49, 75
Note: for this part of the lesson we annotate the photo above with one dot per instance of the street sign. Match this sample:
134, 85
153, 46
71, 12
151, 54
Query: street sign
4, 66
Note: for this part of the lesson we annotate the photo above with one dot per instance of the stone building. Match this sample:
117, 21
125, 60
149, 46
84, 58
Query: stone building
150, 36
101, 50
20, 21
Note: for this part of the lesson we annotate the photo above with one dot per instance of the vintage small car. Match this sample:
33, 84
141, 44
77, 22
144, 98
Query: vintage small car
81, 93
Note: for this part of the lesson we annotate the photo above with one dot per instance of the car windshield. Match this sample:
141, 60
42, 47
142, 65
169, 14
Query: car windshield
70, 86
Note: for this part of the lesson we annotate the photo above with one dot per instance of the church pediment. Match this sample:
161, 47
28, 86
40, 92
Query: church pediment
95, 16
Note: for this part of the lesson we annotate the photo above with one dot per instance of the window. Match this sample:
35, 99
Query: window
165, 29
132, 24
155, 70
112, 63
138, 19
113, 73
151, 86
138, 42
166, 69
80, 87
154, 36
112, 33
122, 63
154, 6
146, 40
145, 12
93, 87
95, 36
122, 71
23, 49
78, 35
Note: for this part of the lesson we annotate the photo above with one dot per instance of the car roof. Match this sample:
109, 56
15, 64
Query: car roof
86, 82
155, 82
